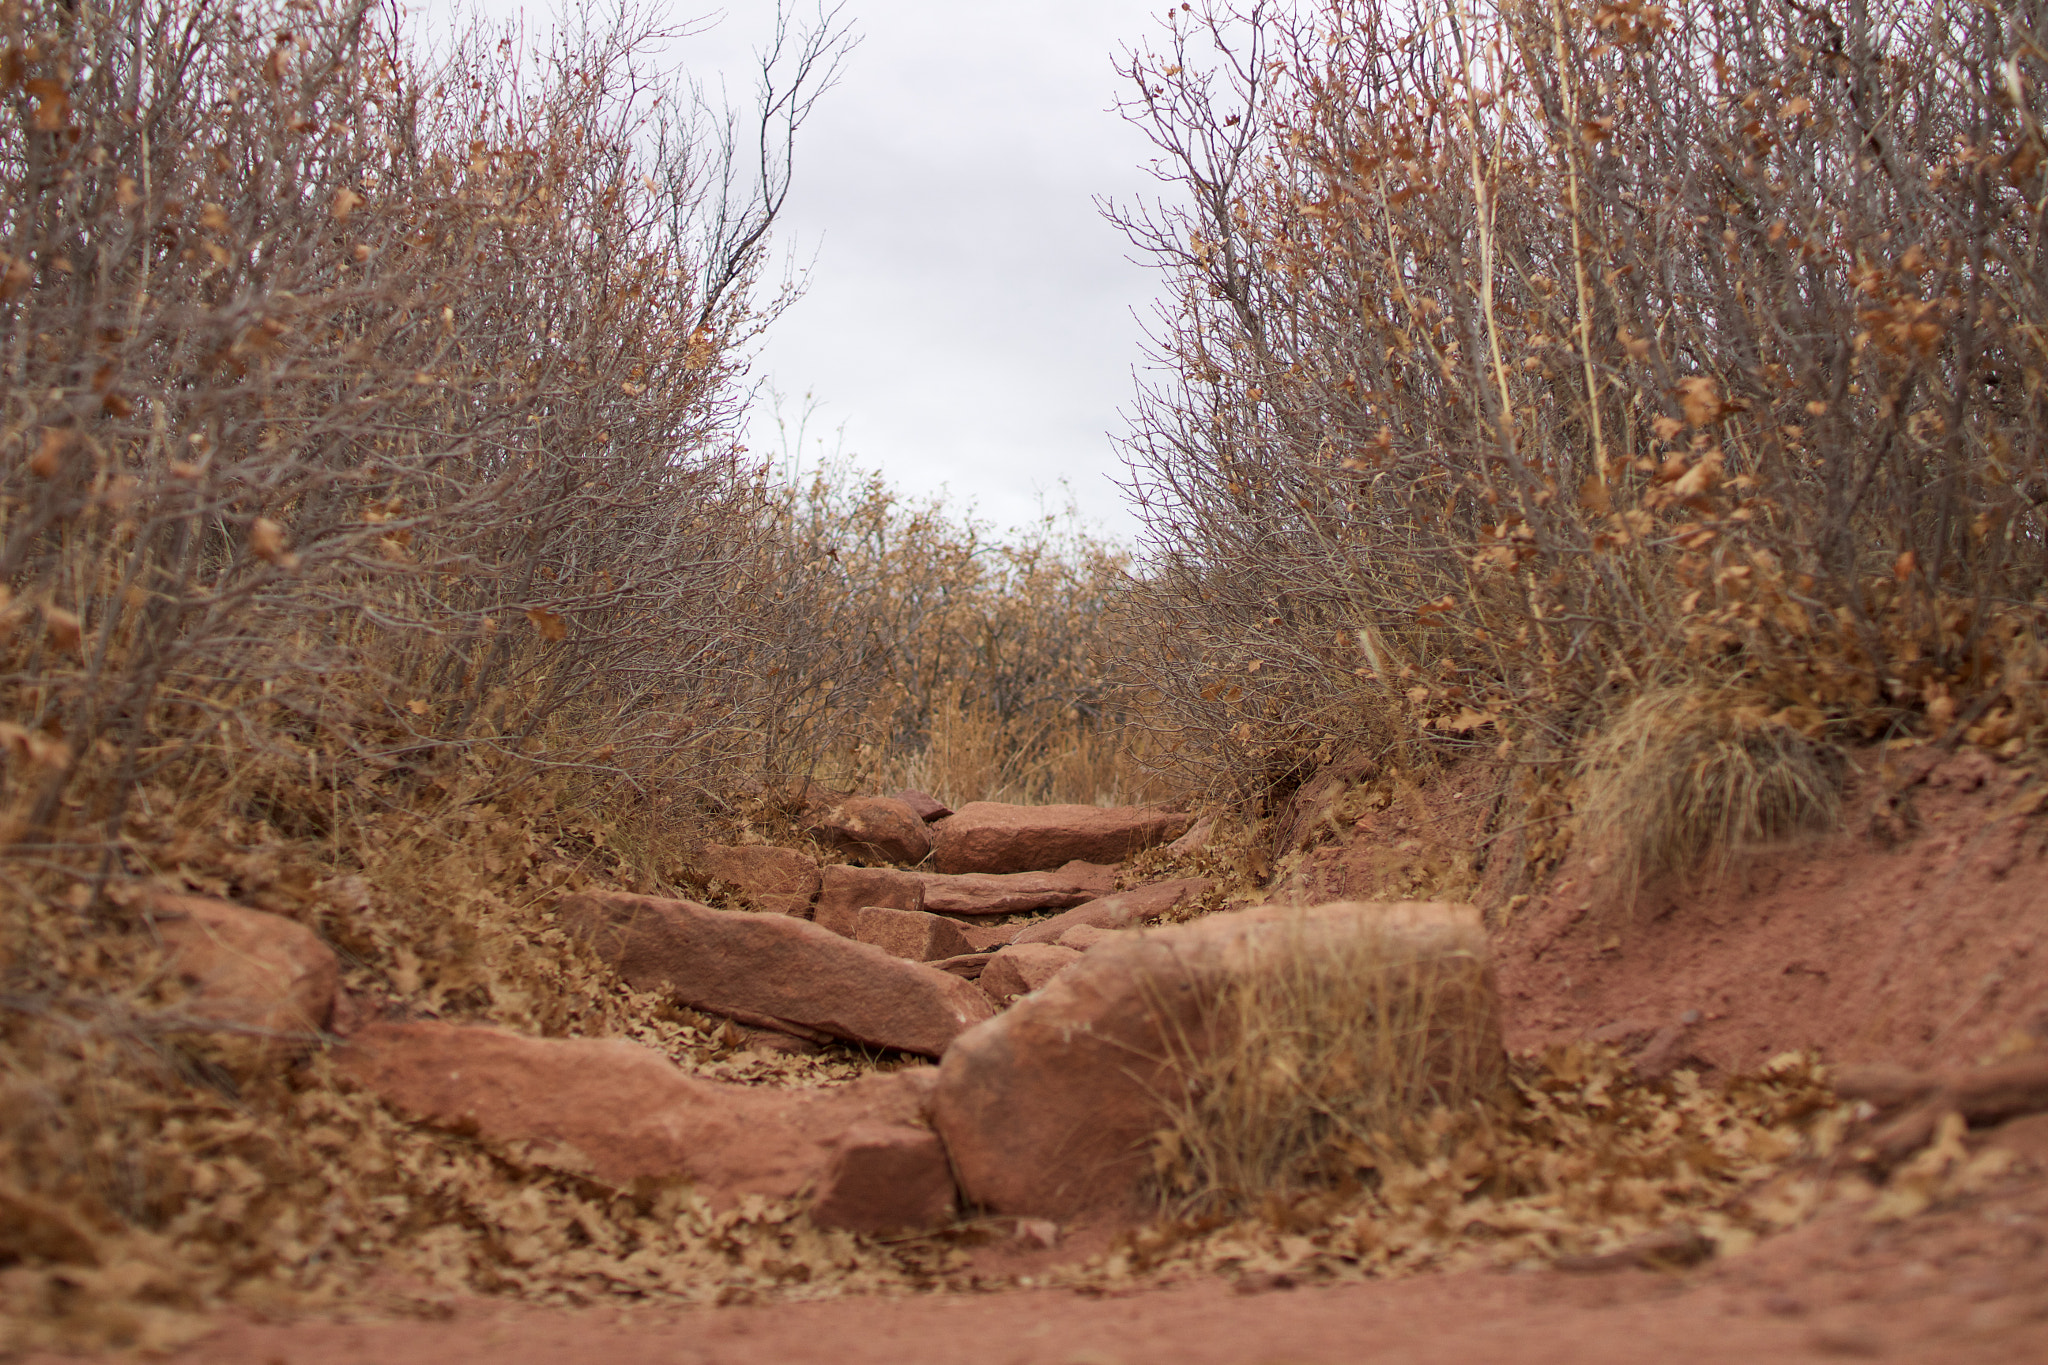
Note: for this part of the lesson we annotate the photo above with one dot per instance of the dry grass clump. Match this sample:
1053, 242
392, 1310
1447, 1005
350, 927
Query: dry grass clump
1682, 777
1580, 1159
1297, 1069
1519, 358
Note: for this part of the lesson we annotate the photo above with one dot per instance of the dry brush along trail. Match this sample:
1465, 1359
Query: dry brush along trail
1393, 1102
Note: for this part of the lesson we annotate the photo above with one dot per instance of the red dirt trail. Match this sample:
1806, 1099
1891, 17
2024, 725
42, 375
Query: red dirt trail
1918, 935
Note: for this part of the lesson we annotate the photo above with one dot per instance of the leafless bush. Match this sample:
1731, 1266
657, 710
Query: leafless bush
977, 661
371, 415
1524, 357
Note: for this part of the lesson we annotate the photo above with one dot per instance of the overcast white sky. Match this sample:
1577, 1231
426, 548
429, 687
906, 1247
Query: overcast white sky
970, 318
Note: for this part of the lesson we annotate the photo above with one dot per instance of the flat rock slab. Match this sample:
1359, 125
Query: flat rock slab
990, 836
1050, 1109
1124, 910
1012, 893
775, 972
615, 1112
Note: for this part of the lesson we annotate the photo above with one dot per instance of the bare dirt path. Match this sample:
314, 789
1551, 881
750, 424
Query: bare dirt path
1956, 1289
1964, 1284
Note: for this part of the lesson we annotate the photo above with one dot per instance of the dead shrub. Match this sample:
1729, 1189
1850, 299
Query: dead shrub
1685, 778
1519, 358
978, 662
1312, 1064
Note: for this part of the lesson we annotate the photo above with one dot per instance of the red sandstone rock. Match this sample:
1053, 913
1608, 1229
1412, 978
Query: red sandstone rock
911, 934
614, 1111
885, 1177
845, 890
1124, 910
775, 972
1048, 1109
927, 807
984, 893
1196, 839
1082, 937
874, 829
989, 836
774, 880
249, 971
985, 937
1022, 968
967, 966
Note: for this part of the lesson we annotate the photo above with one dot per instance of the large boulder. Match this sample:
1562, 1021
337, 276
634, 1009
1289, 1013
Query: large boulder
874, 829
1050, 1109
845, 890
1013, 893
775, 972
1124, 910
774, 880
615, 1112
990, 836
1022, 968
262, 976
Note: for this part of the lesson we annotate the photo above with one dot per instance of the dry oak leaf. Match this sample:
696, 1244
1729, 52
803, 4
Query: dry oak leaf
550, 625
266, 540
53, 104
65, 630
1700, 396
44, 463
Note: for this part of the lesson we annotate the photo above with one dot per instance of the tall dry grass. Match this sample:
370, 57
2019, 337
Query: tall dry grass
1521, 359
983, 657
1318, 1062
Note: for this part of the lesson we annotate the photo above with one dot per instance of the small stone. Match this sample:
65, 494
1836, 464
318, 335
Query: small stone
874, 829
261, 975
911, 934
885, 1177
1022, 968
844, 890
927, 808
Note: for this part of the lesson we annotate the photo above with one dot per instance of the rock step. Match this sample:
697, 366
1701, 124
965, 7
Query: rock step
617, 1112
773, 971
1048, 1110
1012, 893
992, 836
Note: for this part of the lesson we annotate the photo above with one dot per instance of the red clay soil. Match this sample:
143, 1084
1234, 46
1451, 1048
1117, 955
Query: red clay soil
1966, 1284
1919, 935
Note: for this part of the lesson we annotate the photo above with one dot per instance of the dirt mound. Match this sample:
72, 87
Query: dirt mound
1916, 935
